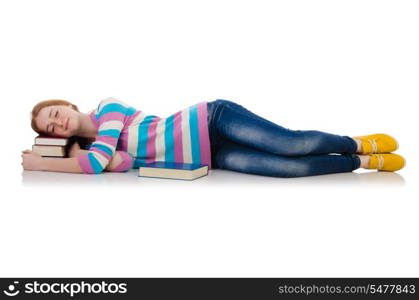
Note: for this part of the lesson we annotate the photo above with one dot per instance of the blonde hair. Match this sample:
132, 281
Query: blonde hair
37, 108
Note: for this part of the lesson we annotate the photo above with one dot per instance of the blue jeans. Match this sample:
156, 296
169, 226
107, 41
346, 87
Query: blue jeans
245, 142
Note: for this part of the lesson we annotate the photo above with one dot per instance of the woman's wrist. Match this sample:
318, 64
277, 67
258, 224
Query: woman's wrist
81, 152
70, 165
44, 164
78, 152
72, 153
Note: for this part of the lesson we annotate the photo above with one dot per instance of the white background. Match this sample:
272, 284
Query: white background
345, 67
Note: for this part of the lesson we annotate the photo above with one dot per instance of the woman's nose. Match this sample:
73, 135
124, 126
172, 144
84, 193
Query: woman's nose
59, 122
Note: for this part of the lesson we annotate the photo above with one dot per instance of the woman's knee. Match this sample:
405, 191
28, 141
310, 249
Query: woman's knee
299, 143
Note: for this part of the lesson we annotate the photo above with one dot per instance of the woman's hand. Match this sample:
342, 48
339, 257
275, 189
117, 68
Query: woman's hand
74, 149
32, 161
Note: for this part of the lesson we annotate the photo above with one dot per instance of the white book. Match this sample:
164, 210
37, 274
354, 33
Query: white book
50, 140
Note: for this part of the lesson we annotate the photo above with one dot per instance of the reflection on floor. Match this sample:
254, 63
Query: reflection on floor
216, 177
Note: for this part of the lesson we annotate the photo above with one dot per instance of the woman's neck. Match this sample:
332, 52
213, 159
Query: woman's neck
87, 128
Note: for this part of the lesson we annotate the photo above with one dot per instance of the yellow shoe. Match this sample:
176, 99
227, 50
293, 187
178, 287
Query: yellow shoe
386, 162
377, 143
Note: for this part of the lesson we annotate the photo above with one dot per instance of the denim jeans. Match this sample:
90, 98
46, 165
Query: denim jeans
245, 142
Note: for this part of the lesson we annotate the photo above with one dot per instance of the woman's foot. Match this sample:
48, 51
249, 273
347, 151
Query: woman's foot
382, 162
376, 143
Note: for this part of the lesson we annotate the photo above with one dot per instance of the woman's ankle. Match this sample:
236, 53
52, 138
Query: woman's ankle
358, 146
365, 161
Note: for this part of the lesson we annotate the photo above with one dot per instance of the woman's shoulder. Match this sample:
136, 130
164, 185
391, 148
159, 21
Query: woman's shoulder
109, 101
112, 104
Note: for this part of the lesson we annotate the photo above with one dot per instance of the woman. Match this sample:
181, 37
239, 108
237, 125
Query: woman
221, 134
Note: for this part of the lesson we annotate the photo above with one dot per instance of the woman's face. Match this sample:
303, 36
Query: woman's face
58, 120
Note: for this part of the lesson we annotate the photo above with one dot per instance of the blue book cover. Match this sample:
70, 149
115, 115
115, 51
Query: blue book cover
171, 170
168, 165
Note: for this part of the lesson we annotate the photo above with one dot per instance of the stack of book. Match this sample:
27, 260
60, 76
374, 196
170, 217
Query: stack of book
50, 146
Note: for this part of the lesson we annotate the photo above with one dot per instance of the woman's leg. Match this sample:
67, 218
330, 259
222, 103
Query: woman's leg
239, 158
237, 124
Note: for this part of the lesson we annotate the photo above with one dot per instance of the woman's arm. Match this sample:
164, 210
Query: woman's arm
69, 165
111, 116
34, 162
115, 161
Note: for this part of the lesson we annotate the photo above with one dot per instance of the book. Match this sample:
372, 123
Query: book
50, 140
48, 150
171, 170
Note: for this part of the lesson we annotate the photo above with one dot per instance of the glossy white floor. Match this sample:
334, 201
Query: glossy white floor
226, 224
216, 177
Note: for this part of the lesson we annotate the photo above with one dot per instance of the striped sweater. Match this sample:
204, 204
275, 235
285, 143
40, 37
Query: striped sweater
182, 137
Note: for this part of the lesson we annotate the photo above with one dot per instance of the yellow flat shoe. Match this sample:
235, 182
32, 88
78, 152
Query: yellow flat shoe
386, 162
377, 143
